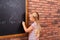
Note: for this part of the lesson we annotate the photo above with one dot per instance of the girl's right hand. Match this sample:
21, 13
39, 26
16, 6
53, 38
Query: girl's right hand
23, 23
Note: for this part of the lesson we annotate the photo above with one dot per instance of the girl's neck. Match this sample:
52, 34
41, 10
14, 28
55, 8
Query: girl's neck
35, 22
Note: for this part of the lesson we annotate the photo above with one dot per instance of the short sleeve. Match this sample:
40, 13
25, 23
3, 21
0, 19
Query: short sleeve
33, 25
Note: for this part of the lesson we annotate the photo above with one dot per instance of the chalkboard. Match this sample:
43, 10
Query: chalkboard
12, 13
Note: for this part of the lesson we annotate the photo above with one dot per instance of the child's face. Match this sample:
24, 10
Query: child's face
31, 18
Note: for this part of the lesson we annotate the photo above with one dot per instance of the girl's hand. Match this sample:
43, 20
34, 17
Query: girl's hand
23, 23
25, 28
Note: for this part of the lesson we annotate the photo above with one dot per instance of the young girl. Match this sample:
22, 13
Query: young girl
34, 29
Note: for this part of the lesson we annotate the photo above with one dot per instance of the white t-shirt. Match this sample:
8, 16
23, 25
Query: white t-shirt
32, 33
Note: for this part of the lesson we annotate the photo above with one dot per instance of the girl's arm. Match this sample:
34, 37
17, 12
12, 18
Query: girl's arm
29, 29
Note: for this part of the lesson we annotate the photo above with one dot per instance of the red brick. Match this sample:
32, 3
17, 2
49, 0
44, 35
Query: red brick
49, 12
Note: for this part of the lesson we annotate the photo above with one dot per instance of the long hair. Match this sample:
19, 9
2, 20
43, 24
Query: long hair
38, 28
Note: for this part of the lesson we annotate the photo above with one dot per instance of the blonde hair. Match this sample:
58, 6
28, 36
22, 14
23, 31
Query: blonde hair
38, 29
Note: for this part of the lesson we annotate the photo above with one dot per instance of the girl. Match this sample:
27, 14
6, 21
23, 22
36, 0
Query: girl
34, 29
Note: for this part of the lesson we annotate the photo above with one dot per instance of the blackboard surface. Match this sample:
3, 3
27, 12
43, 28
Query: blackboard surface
12, 13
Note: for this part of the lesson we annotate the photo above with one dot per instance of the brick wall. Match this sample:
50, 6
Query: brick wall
49, 11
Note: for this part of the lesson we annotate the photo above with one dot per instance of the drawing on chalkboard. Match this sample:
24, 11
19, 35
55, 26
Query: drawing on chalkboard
12, 13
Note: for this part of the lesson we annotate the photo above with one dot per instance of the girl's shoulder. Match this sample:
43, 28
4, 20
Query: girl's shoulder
33, 24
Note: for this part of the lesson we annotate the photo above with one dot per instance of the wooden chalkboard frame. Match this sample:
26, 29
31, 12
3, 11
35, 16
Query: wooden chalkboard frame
26, 20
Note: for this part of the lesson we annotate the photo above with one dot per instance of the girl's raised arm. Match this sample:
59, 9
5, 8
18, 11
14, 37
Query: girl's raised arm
29, 29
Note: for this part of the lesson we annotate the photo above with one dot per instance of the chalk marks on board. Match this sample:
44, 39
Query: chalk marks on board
11, 16
13, 19
11, 11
